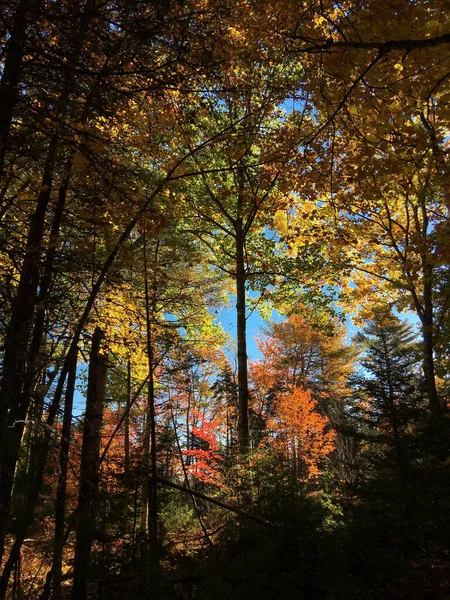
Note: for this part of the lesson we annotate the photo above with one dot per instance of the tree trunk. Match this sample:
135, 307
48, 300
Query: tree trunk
153, 496
60, 503
243, 432
427, 316
54, 575
186, 477
150, 309
144, 479
188, 416
127, 421
41, 455
34, 353
89, 476
428, 346
12, 73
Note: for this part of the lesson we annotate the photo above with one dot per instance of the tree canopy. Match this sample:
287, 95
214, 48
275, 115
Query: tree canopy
164, 162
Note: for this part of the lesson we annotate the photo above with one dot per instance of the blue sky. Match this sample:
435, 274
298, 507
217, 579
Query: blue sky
227, 319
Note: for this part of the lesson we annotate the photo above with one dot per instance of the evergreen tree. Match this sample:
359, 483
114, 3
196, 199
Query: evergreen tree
388, 391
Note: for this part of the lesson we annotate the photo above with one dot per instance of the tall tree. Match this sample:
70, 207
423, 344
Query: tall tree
89, 467
388, 387
237, 193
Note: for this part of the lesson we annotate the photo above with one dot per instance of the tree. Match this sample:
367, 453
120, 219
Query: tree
308, 353
89, 471
378, 176
301, 433
205, 452
396, 241
388, 388
236, 196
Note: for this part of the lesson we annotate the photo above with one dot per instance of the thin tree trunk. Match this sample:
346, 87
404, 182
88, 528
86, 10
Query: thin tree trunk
60, 504
243, 431
295, 465
150, 309
145, 477
38, 460
228, 438
89, 476
44, 286
12, 73
153, 484
19, 329
54, 574
14, 407
427, 312
188, 414
428, 346
20, 362
127, 421
16, 591
40, 455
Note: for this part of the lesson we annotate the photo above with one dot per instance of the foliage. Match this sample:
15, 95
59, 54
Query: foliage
156, 161
205, 467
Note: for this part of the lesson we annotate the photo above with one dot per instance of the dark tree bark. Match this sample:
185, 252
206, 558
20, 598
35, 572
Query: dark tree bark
89, 475
21, 347
423, 298
40, 453
13, 408
12, 74
54, 574
186, 477
60, 503
428, 346
150, 309
243, 432
127, 421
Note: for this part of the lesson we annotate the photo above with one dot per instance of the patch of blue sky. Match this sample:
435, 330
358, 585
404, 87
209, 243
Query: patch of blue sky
292, 104
255, 324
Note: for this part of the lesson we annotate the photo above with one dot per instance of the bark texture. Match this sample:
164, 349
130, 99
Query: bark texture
89, 467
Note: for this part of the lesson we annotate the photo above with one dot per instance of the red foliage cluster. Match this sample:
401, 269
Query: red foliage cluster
206, 463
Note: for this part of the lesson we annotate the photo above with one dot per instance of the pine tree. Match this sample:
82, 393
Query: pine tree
389, 390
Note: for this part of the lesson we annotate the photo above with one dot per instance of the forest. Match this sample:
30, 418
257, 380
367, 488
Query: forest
224, 299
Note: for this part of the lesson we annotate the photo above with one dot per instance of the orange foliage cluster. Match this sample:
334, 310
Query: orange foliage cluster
206, 463
112, 464
301, 433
